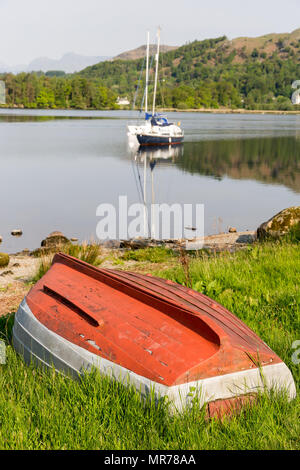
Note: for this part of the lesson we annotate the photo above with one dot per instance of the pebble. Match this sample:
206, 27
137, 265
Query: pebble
17, 232
6, 273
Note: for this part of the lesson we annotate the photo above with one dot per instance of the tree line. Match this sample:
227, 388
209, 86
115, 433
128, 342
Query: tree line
213, 74
38, 90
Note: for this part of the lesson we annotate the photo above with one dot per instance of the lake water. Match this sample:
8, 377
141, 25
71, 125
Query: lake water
57, 166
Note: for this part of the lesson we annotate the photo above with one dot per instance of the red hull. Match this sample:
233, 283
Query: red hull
156, 328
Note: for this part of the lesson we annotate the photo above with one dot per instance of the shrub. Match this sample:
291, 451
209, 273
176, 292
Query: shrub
4, 260
85, 252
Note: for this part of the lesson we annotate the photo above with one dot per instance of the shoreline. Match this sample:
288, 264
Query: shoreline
171, 110
16, 277
229, 111
220, 240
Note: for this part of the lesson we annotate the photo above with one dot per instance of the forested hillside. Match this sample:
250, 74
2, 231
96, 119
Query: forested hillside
254, 73
250, 73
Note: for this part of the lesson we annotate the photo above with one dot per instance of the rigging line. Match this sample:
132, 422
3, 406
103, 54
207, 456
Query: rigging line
142, 191
162, 81
144, 96
140, 187
138, 85
140, 181
136, 180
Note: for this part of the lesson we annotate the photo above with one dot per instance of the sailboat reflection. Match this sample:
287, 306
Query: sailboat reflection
151, 156
152, 152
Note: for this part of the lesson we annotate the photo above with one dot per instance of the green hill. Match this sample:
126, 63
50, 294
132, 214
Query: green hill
140, 52
245, 72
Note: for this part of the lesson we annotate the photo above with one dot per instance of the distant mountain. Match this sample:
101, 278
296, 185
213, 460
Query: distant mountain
5, 68
69, 63
140, 52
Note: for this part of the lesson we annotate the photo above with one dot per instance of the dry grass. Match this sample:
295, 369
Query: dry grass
88, 252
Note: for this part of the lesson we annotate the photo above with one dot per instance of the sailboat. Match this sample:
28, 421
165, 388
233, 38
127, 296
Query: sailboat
133, 130
160, 131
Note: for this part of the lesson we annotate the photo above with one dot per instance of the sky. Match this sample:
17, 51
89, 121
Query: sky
35, 28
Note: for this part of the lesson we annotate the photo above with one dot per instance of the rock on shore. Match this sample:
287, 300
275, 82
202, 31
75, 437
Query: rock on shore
54, 239
280, 224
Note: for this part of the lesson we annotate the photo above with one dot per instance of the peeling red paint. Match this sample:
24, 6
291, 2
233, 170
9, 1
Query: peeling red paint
126, 315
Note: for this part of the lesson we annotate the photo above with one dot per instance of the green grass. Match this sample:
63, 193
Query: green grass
260, 286
90, 253
157, 254
40, 410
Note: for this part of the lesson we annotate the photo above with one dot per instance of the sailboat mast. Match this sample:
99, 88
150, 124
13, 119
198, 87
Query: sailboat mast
145, 195
147, 72
152, 207
156, 69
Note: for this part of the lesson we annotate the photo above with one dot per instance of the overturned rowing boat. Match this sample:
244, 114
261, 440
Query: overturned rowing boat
146, 331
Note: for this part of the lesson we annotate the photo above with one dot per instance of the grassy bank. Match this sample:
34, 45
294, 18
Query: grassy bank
260, 285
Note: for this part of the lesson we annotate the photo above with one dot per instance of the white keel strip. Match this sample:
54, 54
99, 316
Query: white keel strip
41, 345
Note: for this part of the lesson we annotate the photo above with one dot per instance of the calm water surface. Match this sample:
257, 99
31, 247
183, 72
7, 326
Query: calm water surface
57, 166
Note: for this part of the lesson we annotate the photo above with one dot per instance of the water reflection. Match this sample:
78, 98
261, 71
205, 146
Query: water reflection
168, 152
56, 173
268, 160
147, 158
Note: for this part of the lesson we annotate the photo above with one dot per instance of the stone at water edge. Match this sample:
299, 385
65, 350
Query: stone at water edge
4, 260
54, 239
280, 224
17, 232
6, 273
134, 244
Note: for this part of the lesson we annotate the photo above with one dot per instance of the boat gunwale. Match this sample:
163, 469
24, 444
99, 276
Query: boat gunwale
218, 360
